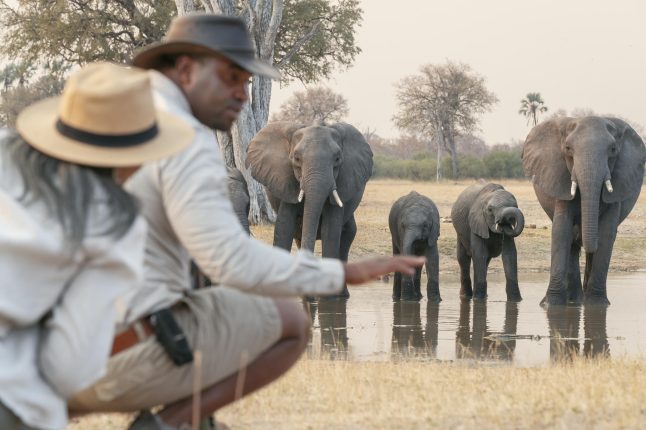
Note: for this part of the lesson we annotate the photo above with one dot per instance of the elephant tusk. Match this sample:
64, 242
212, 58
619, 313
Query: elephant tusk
573, 189
300, 196
513, 225
337, 198
497, 227
609, 186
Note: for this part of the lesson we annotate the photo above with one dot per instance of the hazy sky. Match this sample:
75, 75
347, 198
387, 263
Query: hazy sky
576, 53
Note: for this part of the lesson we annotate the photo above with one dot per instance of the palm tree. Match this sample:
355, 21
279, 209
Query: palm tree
531, 106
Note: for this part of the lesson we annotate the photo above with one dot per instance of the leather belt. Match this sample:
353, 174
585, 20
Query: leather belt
139, 331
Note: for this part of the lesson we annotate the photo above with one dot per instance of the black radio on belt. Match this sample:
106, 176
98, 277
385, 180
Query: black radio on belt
171, 337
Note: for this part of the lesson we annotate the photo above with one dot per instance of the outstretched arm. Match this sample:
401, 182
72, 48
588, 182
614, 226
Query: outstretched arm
369, 269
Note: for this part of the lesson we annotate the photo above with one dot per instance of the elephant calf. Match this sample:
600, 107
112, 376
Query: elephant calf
487, 219
415, 226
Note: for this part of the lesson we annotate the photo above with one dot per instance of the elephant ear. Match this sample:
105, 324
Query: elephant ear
628, 172
477, 217
268, 160
543, 158
356, 167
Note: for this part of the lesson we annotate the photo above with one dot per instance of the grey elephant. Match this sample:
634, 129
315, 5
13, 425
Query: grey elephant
239, 196
587, 174
487, 219
314, 177
414, 224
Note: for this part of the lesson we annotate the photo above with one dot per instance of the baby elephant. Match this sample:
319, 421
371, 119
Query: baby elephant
487, 219
415, 226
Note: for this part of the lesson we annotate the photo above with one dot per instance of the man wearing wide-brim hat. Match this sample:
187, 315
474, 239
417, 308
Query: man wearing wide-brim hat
200, 72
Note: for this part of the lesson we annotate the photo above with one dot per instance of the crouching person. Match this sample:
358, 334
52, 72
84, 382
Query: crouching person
201, 72
71, 239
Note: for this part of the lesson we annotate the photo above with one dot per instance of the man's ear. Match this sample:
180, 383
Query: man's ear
182, 73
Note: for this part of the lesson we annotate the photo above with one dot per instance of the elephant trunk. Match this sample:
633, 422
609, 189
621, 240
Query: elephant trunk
591, 179
408, 241
244, 221
512, 221
317, 188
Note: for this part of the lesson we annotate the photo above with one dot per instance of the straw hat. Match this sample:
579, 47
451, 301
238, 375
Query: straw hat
202, 33
105, 118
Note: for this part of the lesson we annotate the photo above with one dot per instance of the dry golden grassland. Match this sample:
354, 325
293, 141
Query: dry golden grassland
320, 394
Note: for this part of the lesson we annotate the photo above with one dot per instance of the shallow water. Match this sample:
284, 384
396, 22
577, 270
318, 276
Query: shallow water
370, 326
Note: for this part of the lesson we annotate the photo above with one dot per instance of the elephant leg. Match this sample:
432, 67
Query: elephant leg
331, 228
285, 225
480, 257
575, 292
465, 272
347, 237
510, 264
416, 283
433, 274
596, 288
588, 267
397, 279
562, 225
408, 287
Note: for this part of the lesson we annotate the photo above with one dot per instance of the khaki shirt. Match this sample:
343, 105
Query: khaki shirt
184, 199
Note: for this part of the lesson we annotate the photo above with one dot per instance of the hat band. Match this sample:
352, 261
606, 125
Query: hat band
111, 140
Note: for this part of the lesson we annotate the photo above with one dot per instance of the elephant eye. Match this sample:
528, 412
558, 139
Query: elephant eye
613, 149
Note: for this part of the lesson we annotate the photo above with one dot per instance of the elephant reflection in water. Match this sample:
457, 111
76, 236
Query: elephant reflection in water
333, 327
476, 342
564, 322
409, 338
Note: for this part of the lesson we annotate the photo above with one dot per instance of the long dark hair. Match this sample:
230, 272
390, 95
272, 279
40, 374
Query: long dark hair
71, 191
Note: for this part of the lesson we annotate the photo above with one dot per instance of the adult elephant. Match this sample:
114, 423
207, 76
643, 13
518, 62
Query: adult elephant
486, 219
315, 177
587, 174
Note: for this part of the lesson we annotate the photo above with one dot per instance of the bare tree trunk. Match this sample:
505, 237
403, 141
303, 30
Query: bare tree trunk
450, 140
438, 172
226, 148
184, 6
263, 19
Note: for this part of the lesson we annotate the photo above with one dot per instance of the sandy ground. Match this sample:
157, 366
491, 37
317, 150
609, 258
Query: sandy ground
320, 394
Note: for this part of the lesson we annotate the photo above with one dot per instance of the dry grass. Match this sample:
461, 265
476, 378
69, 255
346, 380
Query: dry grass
584, 394
318, 394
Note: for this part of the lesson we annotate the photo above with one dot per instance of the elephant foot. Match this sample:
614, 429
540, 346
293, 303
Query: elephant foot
514, 297
466, 293
553, 300
434, 298
410, 298
479, 297
597, 300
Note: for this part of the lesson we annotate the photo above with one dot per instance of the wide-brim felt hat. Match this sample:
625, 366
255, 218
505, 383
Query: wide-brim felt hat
203, 33
105, 117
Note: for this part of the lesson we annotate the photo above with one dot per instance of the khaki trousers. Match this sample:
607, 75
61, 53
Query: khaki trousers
229, 327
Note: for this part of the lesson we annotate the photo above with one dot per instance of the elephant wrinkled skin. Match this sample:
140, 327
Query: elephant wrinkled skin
587, 174
314, 177
414, 224
487, 219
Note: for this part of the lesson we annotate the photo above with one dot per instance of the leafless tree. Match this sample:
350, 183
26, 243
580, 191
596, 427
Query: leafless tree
315, 104
442, 102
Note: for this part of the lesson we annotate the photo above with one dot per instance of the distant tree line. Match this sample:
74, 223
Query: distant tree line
410, 158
